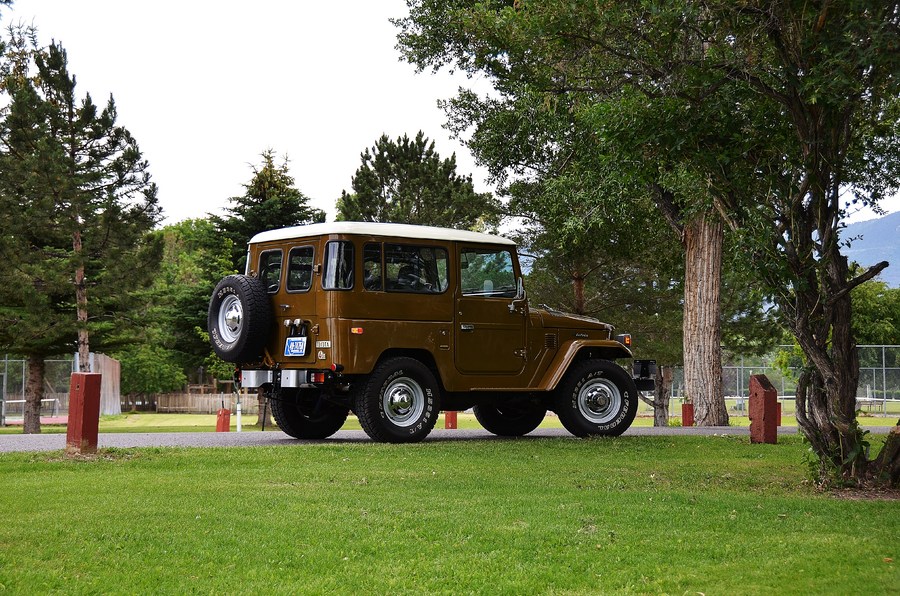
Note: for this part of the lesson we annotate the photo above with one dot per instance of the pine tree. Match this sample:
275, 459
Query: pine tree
271, 201
76, 203
406, 181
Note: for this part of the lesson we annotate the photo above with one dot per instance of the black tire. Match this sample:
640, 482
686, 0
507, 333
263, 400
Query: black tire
399, 402
596, 397
303, 414
510, 420
240, 319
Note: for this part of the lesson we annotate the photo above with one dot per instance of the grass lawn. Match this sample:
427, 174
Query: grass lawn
631, 515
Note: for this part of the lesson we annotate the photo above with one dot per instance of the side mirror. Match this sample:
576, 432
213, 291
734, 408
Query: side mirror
520, 289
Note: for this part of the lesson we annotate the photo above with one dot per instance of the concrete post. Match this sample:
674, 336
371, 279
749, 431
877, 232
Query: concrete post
84, 413
763, 410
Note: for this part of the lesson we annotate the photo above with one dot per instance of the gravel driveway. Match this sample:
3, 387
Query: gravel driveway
51, 442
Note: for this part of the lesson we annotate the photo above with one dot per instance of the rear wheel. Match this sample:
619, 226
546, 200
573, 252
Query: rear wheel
303, 414
510, 420
399, 402
596, 397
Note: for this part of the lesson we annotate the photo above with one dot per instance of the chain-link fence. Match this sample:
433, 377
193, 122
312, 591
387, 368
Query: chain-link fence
14, 376
879, 377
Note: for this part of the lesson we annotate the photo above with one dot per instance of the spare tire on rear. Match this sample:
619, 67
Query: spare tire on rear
240, 319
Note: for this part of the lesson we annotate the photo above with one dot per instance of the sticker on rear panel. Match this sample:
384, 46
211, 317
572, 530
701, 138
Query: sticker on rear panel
295, 346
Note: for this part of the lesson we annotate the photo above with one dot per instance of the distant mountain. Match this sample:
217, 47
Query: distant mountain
874, 241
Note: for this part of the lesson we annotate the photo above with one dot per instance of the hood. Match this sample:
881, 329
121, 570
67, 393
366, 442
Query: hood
554, 318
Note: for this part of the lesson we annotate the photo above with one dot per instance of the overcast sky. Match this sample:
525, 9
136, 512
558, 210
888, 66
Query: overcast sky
206, 86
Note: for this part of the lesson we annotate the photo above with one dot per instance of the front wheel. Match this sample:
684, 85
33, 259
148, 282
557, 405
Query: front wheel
510, 420
596, 397
303, 414
399, 402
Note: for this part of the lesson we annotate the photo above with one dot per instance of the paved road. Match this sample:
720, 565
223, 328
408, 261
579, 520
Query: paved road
51, 442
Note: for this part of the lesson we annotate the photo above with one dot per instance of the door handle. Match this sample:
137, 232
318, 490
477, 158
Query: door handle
466, 327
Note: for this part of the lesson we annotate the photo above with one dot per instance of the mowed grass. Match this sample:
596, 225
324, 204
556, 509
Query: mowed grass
672, 515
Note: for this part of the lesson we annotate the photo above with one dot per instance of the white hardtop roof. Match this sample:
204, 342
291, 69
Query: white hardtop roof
379, 229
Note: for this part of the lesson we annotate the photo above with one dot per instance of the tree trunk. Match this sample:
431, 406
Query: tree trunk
84, 349
34, 393
826, 390
663, 393
264, 411
578, 293
703, 239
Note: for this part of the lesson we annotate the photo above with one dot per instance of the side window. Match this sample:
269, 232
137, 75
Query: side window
372, 278
487, 272
338, 266
300, 268
415, 269
270, 270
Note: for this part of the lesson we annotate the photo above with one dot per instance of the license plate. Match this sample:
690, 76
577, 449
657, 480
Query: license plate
295, 346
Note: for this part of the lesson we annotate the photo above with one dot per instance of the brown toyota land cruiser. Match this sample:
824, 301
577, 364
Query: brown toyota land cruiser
398, 322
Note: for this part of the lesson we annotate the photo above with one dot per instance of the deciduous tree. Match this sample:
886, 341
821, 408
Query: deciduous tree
779, 111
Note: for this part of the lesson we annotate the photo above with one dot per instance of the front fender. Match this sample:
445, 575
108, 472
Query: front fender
607, 349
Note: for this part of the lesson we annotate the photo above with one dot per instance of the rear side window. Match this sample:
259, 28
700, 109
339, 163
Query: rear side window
338, 266
300, 268
270, 270
372, 279
415, 269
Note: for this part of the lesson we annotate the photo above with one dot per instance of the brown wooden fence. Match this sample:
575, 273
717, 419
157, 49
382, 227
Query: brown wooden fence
193, 403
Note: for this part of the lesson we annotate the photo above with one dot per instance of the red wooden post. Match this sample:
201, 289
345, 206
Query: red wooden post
223, 420
450, 420
687, 414
763, 410
84, 413
779, 414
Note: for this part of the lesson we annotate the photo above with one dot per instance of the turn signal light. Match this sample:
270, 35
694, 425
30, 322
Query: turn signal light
624, 339
316, 377
356, 330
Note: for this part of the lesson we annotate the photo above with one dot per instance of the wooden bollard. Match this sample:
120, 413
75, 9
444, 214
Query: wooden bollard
84, 413
450, 419
687, 414
763, 410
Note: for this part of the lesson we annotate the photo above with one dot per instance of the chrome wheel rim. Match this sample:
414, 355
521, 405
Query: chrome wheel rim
599, 401
403, 401
231, 318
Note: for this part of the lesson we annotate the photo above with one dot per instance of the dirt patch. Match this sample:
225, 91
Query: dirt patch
867, 494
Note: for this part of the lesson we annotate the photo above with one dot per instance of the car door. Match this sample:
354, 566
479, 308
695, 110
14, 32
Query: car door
490, 335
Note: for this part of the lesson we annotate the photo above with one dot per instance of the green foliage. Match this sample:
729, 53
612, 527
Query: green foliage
876, 314
270, 201
195, 257
150, 369
736, 518
75, 195
406, 181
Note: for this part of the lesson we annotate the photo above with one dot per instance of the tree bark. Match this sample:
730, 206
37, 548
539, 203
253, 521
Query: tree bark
578, 307
703, 239
663, 393
34, 393
84, 349
264, 411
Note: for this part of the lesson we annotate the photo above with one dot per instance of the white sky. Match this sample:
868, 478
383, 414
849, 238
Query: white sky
206, 86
